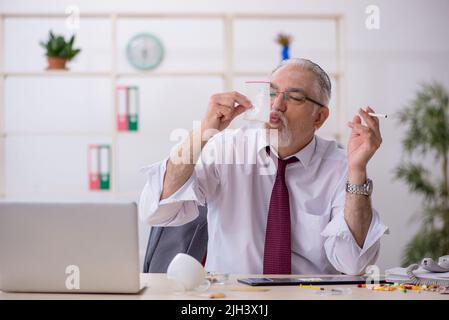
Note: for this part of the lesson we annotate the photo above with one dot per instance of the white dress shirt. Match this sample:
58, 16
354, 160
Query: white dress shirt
238, 190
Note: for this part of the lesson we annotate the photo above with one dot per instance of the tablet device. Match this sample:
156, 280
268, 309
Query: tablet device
292, 281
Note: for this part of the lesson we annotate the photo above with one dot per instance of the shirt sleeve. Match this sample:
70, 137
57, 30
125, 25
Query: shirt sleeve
341, 248
182, 206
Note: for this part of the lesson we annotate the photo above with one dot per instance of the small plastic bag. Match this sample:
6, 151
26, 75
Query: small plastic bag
258, 92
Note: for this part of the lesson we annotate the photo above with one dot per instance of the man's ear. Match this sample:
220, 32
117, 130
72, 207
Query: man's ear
323, 113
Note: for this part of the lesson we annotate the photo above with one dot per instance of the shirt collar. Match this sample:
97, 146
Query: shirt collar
304, 155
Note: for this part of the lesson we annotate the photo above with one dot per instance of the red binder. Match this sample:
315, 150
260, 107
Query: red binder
122, 108
93, 162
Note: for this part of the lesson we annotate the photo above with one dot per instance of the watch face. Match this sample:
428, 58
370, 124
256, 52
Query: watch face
144, 51
369, 186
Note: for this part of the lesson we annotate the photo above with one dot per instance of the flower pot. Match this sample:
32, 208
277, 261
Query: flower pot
55, 63
285, 53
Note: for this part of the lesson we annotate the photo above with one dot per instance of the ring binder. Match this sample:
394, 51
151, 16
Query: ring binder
105, 174
93, 168
122, 108
133, 108
99, 167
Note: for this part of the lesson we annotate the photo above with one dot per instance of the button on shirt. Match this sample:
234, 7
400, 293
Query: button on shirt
235, 177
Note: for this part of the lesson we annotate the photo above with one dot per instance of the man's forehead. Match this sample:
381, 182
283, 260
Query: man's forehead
291, 78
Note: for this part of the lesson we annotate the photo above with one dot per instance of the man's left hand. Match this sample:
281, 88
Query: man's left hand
363, 142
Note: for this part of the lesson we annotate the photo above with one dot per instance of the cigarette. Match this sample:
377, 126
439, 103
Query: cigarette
379, 115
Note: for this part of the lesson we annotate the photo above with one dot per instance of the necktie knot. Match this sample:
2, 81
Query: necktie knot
282, 164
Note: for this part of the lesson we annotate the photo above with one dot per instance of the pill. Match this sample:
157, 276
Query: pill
217, 295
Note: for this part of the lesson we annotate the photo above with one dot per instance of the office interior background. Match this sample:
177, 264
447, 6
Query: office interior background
56, 125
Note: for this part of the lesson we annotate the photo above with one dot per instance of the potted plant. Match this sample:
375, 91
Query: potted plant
427, 122
59, 51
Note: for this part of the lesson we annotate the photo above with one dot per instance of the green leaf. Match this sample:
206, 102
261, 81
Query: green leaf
72, 39
426, 244
426, 120
417, 178
57, 46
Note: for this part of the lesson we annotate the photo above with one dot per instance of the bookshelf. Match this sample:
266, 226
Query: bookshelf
115, 74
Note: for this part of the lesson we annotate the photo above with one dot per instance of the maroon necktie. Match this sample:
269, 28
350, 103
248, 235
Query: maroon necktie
277, 257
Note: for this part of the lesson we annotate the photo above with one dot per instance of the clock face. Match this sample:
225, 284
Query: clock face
145, 51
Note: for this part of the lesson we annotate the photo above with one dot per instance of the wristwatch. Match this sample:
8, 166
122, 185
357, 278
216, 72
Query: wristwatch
364, 189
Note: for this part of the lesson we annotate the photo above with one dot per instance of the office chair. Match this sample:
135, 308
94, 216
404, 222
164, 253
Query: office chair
164, 243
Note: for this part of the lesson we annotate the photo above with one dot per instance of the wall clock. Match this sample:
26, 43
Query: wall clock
144, 51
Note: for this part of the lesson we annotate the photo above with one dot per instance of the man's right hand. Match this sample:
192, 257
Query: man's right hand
222, 109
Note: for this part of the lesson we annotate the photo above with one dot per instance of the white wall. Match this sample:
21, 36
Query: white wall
383, 69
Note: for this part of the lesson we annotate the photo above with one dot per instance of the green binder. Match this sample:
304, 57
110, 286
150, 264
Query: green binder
133, 108
105, 167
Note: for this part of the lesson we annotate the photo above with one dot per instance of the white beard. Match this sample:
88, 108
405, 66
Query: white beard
284, 133
285, 137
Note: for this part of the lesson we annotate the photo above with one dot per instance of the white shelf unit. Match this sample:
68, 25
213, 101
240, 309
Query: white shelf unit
227, 74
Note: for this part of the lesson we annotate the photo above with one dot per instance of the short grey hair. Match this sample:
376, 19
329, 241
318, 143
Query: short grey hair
322, 87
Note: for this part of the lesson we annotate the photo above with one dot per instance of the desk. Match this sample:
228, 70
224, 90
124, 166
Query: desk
161, 288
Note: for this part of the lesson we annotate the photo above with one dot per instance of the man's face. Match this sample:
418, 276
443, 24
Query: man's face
293, 119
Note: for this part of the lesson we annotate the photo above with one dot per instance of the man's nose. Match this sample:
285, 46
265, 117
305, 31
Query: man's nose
279, 103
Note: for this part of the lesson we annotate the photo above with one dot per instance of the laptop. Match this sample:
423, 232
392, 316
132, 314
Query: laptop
69, 247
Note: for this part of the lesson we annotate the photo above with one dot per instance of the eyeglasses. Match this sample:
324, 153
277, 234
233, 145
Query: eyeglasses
293, 97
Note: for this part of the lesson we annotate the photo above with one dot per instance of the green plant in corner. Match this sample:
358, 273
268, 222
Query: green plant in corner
427, 122
59, 51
